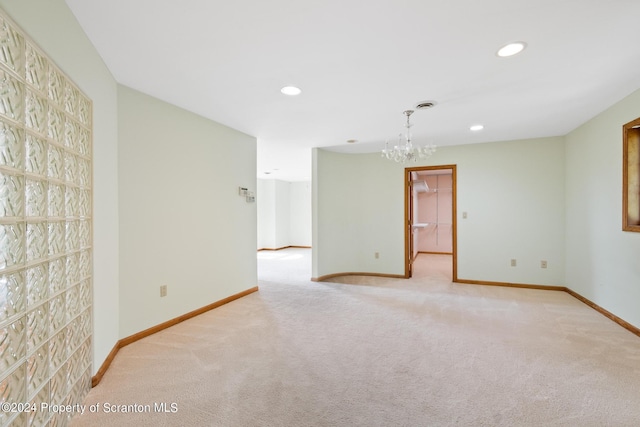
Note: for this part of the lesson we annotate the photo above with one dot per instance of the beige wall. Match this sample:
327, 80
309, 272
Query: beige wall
512, 191
602, 260
284, 213
182, 221
358, 209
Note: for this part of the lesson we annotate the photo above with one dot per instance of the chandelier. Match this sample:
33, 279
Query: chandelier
405, 151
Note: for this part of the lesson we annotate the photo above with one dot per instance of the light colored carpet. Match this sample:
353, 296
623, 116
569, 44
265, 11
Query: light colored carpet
368, 351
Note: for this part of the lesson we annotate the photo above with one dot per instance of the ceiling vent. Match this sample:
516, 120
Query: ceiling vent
425, 104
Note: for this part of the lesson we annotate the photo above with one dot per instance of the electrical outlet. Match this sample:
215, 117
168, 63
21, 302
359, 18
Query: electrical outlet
513, 262
376, 255
543, 264
163, 290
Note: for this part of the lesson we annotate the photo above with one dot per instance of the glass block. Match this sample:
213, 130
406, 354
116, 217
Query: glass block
12, 389
12, 47
11, 146
36, 155
37, 369
85, 268
57, 350
84, 384
12, 344
36, 69
57, 233
57, 275
71, 203
74, 333
58, 386
56, 200
56, 163
39, 418
84, 234
73, 302
84, 142
59, 419
19, 420
84, 352
13, 291
85, 324
11, 97
71, 134
37, 290
56, 125
71, 168
57, 313
71, 99
36, 241
84, 172
56, 87
37, 327
11, 195
73, 242
84, 208
12, 245
76, 368
73, 273
35, 114
36, 193
85, 294
84, 112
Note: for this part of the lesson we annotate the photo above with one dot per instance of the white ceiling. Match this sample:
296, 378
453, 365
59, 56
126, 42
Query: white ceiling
361, 63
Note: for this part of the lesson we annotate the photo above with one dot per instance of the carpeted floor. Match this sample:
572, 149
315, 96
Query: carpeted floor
369, 351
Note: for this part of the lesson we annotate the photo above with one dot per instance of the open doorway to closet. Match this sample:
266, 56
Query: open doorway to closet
430, 216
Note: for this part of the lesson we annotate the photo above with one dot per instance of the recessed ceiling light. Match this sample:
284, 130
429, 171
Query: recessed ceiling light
511, 49
351, 141
476, 128
291, 90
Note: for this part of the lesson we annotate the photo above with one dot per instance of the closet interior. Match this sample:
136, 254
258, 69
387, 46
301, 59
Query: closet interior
432, 225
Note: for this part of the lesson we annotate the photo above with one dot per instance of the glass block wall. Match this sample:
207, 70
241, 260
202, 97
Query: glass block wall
45, 235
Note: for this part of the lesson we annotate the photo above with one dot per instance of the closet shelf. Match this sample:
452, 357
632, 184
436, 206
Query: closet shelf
420, 186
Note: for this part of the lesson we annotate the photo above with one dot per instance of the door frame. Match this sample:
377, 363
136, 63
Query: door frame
408, 218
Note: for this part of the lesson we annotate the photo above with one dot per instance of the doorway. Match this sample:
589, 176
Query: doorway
431, 189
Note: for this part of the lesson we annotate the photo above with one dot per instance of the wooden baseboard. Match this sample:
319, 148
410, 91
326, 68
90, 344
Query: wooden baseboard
435, 253
331, 276
604, 312
628, 326
511, 285
95, 380
284, 247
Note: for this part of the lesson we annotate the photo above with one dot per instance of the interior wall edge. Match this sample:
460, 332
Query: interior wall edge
633, 329
95, 380
348, 273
